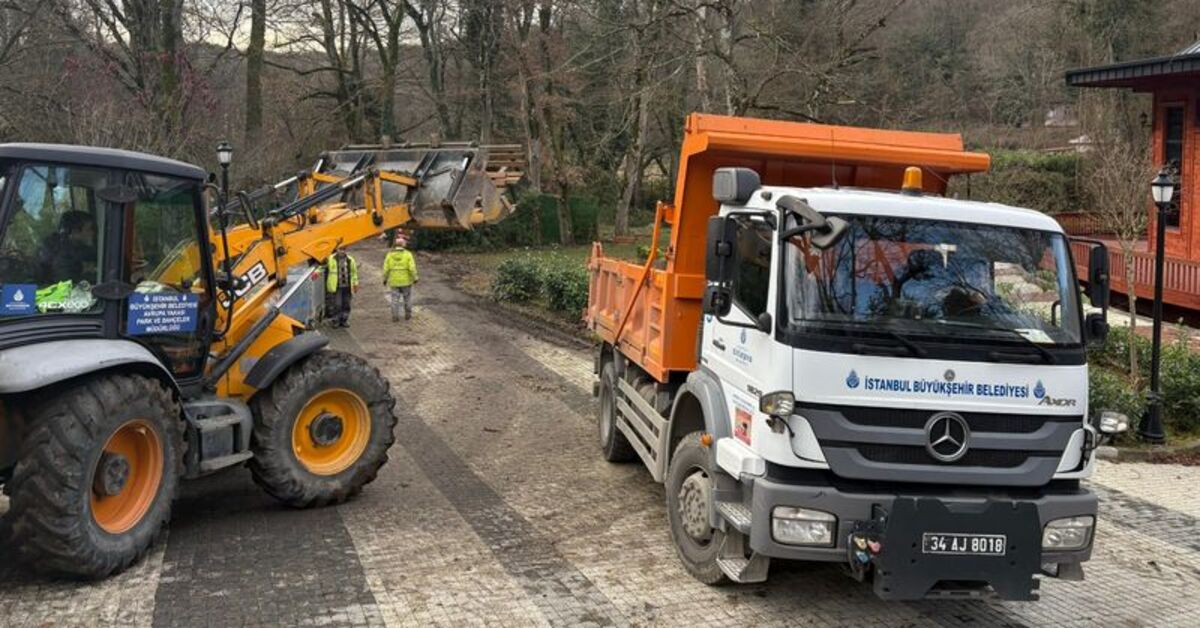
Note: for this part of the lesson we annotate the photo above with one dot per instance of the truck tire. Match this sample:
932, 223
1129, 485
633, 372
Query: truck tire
689, 486
613, 444
322, 430
96, 475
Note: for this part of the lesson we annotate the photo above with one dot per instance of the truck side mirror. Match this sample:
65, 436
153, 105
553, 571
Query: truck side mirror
735, 186
1095, 329
718, 300
718, 265
718, 262
1098, 276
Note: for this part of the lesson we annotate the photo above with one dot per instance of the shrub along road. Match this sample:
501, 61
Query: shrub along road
496, 508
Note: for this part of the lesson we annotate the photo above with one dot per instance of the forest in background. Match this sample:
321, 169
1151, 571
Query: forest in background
595, 89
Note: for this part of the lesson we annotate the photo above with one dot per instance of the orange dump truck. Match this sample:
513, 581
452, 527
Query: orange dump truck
831, 361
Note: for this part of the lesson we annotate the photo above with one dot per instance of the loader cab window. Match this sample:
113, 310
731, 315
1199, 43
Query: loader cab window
171, 308
753, 271
52, 241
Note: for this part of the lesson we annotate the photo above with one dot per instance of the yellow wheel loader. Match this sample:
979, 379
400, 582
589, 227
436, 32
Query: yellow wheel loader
143, 339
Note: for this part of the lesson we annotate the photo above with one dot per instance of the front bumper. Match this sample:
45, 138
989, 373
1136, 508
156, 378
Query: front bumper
906, 514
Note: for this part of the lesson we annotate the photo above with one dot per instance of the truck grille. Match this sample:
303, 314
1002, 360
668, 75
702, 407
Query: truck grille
889, 444
898, 454
978, 421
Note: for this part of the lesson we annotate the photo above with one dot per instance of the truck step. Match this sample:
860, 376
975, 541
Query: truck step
745, 570
736, 514
215, 464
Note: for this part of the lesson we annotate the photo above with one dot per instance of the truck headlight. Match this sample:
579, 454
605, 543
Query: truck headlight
1071, 533
802, 526
1113, 422
779, 404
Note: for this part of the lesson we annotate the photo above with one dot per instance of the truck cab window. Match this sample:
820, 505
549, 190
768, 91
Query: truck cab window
753, 278
53, 241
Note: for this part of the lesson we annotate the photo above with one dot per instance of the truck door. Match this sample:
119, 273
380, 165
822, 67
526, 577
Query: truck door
739, 353
167, 264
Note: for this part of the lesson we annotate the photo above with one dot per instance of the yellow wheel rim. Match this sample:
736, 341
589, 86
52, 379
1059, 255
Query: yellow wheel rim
331, 431
131, 470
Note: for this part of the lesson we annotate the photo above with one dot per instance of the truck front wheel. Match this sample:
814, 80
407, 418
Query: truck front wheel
322, 430
96, 475
689, 489
613, 444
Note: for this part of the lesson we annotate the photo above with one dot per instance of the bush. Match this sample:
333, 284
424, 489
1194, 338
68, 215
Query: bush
518, 280
566, 288
1047, 182
1110, 390
1180, 379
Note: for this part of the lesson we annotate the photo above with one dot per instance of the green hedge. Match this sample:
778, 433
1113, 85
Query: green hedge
563, 286
1047, 182
1112, 388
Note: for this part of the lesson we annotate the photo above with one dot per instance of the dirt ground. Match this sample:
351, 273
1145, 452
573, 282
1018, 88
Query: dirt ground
497, 509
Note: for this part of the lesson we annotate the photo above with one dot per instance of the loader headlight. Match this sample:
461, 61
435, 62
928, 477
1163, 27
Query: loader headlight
802, 526
780, 404
1071, 533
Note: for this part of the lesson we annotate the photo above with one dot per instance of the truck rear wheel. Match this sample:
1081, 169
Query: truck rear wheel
689, 489
322, 430
613, 444
96, 475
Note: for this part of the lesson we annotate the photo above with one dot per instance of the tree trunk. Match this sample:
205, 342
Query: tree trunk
1129, 275
254, 66
633, 164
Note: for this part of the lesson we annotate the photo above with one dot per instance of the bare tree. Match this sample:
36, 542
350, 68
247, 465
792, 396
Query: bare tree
254, 68
1117, 180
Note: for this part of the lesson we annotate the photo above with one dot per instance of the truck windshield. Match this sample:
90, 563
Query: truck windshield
943, 279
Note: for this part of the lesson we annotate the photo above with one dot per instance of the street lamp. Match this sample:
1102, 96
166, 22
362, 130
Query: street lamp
224, 156
1162, 189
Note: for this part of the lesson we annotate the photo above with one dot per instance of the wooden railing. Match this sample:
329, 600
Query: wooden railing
1081, 224
1181, 278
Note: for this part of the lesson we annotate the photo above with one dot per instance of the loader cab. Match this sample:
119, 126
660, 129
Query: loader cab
102, 243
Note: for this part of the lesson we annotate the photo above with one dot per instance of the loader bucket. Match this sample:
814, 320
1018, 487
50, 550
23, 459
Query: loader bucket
459, 185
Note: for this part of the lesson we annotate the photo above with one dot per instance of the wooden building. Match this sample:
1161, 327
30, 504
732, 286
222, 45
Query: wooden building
1174, 84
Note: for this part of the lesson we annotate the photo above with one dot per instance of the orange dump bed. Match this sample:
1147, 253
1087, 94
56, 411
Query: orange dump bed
652, 314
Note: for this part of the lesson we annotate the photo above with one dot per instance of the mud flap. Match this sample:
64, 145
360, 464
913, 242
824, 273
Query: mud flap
905, 571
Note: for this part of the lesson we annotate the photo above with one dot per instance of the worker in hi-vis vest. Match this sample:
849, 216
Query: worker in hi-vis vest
341, 281
399, 275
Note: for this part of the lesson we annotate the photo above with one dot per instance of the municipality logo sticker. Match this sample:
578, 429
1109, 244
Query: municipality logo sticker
852, 379
19, 296
1039, 390
742, 339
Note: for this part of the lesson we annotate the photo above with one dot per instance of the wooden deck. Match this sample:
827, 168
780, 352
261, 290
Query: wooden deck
1181, 285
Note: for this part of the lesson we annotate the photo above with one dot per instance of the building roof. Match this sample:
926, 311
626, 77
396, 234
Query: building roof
1140, 73
100, 157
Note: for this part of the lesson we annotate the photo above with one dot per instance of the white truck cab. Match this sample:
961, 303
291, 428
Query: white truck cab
905, 389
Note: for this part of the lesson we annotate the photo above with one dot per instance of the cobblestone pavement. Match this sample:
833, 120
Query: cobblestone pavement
496, 509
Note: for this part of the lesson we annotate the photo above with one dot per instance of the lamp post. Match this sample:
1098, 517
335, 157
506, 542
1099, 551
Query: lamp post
224, 156
1151, 429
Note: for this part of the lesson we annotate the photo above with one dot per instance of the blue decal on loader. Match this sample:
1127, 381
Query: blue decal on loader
162, 313
18, 299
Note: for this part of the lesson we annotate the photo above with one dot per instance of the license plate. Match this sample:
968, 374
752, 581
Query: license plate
964, 544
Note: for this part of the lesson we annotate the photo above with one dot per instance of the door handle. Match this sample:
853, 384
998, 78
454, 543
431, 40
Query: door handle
718, 344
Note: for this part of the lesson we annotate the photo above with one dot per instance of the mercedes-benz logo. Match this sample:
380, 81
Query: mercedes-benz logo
946, 436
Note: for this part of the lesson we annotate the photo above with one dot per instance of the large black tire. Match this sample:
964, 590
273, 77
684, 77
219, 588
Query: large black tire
53, 525
276, 466
699, 558
613, 444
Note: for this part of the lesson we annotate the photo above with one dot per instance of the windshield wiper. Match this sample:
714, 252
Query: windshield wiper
1046, 355
916, 349
867, 347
